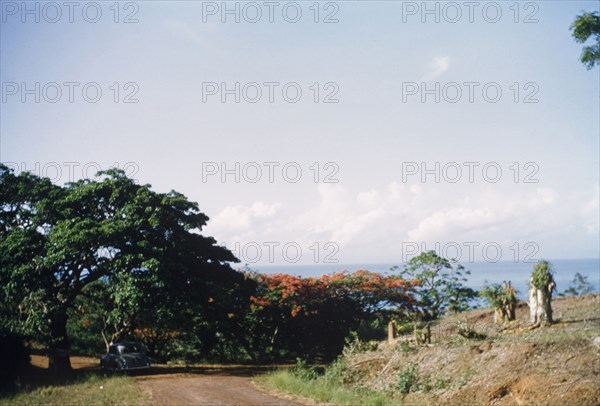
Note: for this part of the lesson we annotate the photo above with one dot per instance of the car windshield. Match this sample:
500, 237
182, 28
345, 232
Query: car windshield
128, 348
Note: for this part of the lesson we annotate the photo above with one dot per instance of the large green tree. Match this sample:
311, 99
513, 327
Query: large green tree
586, 26
440, 284
55, 241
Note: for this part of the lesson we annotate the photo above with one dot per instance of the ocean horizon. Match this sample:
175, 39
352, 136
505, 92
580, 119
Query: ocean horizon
492, 272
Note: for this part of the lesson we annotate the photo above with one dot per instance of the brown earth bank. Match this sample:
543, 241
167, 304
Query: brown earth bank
511, 364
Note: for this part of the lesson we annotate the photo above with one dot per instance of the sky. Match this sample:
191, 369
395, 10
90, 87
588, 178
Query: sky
321, 132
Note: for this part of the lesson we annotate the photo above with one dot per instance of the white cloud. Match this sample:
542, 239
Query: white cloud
369, 199
443, 224
546, 195
437, 67
359, 222
372, 225
239, 220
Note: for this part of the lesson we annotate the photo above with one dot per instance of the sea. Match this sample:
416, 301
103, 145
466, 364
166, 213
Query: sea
492, 272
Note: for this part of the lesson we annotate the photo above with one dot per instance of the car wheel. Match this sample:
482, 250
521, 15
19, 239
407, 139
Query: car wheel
118, 366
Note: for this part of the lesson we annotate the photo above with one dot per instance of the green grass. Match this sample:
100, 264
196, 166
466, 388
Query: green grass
322, 389
89, 390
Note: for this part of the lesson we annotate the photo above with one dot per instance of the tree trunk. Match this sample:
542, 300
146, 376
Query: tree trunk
498, 316
58, 351
391, 332
508, 306
106, 342
505, 309
512, 311
533, 304
540, 305
546, 305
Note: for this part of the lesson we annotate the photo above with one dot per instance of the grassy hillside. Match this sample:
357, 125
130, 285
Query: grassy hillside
500, 365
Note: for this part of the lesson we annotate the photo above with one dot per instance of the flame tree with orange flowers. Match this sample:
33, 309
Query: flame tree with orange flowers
290, 316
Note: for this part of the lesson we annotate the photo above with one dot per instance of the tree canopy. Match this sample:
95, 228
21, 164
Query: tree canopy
586, 26
440, 284
294, 316
579, 286
57, 240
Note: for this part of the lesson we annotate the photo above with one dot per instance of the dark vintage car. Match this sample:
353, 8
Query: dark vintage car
125, 356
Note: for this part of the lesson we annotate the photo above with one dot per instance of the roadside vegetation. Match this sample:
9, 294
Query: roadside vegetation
471, 360
306, 383
90, 389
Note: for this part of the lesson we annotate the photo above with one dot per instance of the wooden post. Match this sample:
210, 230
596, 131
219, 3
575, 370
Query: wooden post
391, 332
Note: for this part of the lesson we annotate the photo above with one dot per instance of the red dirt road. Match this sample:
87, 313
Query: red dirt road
214, 389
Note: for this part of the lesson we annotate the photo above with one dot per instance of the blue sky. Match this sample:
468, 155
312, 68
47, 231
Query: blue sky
369, 141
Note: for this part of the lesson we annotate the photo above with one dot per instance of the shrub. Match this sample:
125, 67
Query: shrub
467, 330
303, 371
579, 286
424, 384
441, 383
404, 347
408, 379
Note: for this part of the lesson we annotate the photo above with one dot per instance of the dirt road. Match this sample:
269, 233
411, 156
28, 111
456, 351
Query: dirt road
218, 388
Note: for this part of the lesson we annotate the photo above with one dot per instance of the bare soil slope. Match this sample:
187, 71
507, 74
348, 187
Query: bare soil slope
512, 365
